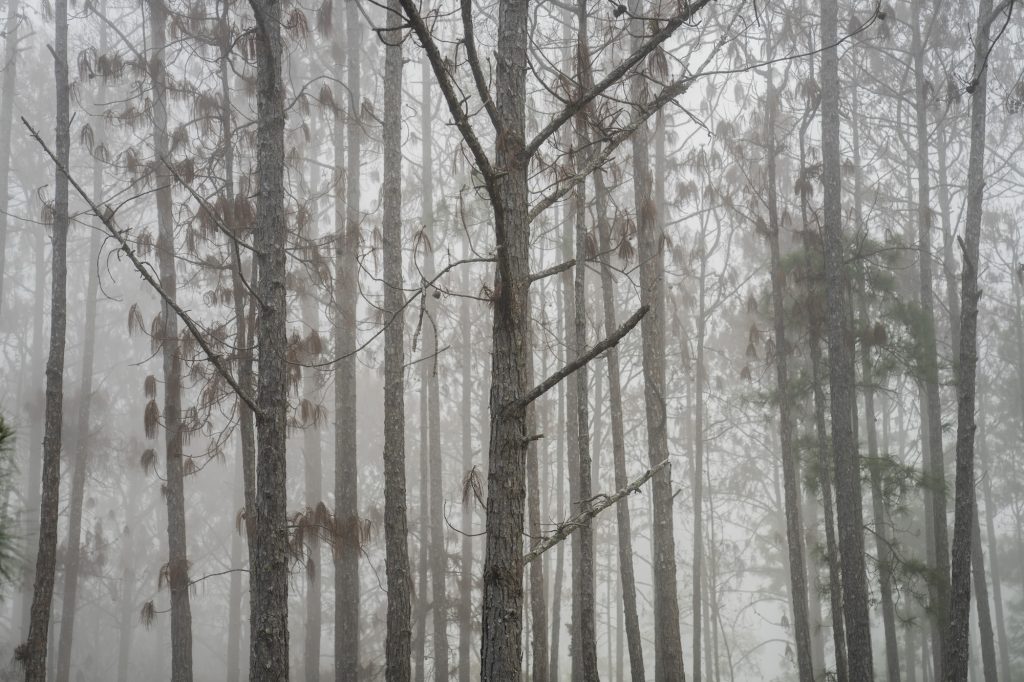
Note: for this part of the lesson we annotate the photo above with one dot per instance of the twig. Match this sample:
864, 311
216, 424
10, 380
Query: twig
566, 528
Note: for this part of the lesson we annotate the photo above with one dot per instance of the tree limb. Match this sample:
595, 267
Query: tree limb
608, 342
553, 270
566, 528
140, 267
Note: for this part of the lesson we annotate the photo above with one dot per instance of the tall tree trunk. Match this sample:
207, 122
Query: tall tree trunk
312, 470
466, 409
993, 554
935, 479
698, 458
438, 552
42, 595
883, 543
622, 518
501, 650
396, 648
668, 650
269, 554
177, 562
346, 471
538, 590
790, 456
560, 450
841, 378
584, 564
956, 645
10, 67
72, 562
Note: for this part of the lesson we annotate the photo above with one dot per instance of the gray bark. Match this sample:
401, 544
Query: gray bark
35, 649
397, 645
841, 376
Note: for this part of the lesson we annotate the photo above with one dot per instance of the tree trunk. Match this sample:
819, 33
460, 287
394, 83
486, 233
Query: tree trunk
72, 563
993, 553
956, 645
177, 563
396, 650
790, 456
538, 590
841, 378
35, 648
10, 67
501, 649
668, 650
269, 554
466, 409
934, 475
624, 526
346, 471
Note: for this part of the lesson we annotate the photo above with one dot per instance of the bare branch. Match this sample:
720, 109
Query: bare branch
614, 76
553, 270
474, 63
608, 342
566, 528
140, 267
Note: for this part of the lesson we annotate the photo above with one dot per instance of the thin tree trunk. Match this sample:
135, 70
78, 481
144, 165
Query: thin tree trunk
965, 525
841, 378
993, 553
72, 562
623, 523
35, 648
396, 648
668, 656
269, 554
346, 471
466, 409
538, 590
790, 457
177, 562
10, 67
935, 485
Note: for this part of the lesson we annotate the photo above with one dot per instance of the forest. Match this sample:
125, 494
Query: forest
511, 340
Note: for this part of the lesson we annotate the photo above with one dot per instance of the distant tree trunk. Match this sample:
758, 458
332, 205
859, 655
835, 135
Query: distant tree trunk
564, 428
128, 614
396, 649
965, 525
72, 563
572, 445
790, 456
438, 551
993, 554
883, 543
245, 490
935, 480
312, 468
269, 553
841, 378
35, 648
623, 523
466, 409
10, 67
698, 458
177, 563
668, 650
538, 590
346, 471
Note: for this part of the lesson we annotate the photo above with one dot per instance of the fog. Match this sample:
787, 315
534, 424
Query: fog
511, 339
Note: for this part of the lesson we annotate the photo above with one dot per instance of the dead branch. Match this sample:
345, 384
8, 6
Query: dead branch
566, 528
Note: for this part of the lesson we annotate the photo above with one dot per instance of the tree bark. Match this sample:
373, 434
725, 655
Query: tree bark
841, 377
10, 67
397, 645
177, 562
35, 648
668, 650
935, 479
346, 472
466, 409
790, 456
956, 645
269, 553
